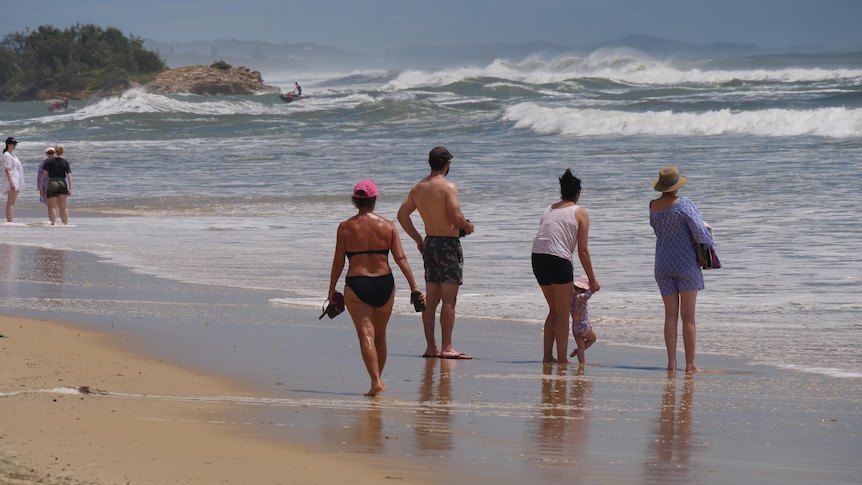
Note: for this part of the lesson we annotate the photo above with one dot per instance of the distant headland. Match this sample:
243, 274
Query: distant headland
86, 61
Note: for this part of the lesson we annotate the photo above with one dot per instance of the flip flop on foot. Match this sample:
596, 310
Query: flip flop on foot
458, 356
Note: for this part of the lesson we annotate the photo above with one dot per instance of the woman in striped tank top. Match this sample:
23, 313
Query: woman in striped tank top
563, 228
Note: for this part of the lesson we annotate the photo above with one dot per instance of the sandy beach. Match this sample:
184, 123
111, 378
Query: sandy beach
153, 381
79, 409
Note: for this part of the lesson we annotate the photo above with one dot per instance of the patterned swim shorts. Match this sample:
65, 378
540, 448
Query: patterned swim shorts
444, 260
56, 187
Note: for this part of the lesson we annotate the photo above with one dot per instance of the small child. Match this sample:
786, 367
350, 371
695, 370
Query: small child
582, 330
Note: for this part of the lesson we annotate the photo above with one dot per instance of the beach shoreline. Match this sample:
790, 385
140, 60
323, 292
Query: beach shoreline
186, 379
81, 409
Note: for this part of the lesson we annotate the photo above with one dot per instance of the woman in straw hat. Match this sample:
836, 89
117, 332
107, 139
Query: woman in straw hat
365, 240
677, 223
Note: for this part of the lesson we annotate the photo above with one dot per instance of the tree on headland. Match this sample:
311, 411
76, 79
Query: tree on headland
79, 61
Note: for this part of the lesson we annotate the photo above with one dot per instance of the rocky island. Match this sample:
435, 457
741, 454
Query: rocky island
219, 78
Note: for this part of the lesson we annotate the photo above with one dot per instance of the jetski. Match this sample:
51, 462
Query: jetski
291, 97
59, 106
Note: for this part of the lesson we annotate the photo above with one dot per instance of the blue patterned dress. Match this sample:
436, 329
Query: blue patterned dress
676, 228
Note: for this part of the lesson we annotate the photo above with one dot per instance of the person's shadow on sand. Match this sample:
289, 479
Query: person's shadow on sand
672, 447
434, 419
562, 426
367, 429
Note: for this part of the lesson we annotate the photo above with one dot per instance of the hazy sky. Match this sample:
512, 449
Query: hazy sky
373, 26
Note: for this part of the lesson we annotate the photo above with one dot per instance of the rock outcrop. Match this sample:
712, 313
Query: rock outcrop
218, 79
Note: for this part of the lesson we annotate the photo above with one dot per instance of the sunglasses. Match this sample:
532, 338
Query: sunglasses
49, 152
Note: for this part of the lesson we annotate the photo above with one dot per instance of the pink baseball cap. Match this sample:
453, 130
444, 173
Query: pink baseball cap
365, 189
583, 282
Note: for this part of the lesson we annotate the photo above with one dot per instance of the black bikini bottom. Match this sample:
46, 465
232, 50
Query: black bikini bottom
374, 290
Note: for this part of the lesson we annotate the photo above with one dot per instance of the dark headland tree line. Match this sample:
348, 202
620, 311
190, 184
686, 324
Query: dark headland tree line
79, 61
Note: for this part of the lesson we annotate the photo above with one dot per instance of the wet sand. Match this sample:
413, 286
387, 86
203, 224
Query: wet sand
77, 408
215, 385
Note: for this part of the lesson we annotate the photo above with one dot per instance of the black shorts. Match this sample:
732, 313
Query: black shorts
552, 270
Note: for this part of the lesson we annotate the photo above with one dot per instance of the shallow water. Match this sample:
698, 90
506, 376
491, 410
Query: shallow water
246, 192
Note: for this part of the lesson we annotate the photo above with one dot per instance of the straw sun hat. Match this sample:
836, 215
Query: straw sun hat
669, 179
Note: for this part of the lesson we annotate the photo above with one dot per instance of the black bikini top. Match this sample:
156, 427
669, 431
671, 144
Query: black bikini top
370, 251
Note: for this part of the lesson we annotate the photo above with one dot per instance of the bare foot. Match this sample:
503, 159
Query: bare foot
454, 354
691, 369
376, 388
549, 360
431, 352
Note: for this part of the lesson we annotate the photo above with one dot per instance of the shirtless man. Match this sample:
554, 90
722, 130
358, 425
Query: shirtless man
437, 201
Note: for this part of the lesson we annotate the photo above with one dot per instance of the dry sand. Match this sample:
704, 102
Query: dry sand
77, 408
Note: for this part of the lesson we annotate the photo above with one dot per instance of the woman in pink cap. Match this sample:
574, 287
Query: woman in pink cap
365, 240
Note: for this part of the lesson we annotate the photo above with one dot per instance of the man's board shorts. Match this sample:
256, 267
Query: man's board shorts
444, 260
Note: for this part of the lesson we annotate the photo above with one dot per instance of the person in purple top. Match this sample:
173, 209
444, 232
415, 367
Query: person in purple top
677, 224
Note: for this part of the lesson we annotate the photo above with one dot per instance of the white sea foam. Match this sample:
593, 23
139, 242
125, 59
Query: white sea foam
140, 101
828, 122
611, 66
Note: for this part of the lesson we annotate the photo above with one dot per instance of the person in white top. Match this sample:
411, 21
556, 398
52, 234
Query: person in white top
563, 228
13, 177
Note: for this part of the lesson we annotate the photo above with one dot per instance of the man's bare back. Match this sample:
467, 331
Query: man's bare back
436, 199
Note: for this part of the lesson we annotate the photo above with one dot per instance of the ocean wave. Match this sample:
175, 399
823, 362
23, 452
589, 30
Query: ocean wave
616, 68
140, 101
826, 122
